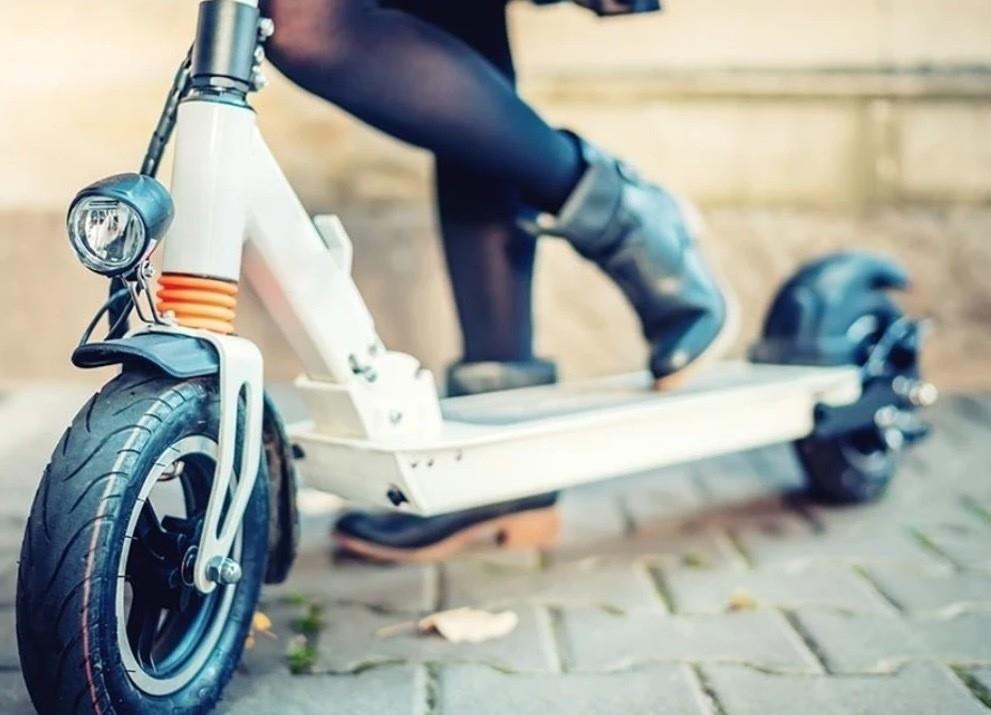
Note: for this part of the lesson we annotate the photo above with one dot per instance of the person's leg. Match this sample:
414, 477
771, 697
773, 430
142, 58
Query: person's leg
490, 258
490, 263
424, 86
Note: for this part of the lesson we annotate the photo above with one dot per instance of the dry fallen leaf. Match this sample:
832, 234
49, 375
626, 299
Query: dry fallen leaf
260, 623
741, 601
469, 625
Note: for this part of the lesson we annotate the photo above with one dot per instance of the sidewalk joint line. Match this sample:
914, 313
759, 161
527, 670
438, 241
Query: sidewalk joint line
737, 546
862, 572
626, 517
708, 691
807, 640
661, 587
976, 688
927, 544
431, 688
558, 640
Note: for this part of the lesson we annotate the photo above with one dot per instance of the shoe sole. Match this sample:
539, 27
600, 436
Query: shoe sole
726, 336
531, 529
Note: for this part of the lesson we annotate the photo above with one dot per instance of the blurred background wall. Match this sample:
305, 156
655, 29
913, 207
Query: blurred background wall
800, 127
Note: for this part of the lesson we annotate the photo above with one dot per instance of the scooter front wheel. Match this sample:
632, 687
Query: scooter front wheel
107, 617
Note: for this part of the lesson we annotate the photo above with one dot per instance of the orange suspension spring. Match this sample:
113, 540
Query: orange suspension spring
198, 302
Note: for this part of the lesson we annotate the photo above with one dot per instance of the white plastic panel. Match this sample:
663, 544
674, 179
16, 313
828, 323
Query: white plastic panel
510, 444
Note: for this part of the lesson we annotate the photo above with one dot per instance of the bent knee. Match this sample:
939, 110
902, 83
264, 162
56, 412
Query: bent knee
310, 35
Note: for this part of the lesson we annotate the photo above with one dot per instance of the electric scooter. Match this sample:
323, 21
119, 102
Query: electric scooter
170, 499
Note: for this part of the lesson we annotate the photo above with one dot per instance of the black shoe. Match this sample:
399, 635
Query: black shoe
531, 522
392, 536
643, 238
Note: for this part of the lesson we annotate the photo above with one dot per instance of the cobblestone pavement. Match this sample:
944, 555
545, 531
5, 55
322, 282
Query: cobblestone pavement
710, 588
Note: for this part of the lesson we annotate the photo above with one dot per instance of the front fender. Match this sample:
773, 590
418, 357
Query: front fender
179, 356
184, 357
810, 319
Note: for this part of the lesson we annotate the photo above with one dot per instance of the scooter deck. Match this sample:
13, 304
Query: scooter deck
505, 445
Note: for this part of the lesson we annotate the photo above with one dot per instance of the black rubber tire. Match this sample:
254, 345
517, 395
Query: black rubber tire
846, 471
66, 617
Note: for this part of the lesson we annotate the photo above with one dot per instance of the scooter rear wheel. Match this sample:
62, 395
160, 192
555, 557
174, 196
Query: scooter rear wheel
107, 618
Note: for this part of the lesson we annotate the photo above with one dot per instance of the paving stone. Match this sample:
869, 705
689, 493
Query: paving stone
933, 593
616, 583
351, 641
596, 640
856, 643
921, 689
778, 466
949, 450
934, 515
391, 689
407, 588
786, 540
733, 479
671, 543
671, 495
830, 585
590, 516
502, 559
650, 690
8, 584
965, 540
8, 640
14, 698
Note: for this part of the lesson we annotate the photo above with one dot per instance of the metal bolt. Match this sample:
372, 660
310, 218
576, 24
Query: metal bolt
258, 80
266, 27
395, 496
886, 417
223, 570
919, 393
259, 54
366, 371
893, 438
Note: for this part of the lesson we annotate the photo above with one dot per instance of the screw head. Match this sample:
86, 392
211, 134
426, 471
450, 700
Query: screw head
923, 394
223, 571
266, 27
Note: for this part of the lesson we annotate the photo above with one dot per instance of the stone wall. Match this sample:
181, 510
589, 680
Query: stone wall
802, 127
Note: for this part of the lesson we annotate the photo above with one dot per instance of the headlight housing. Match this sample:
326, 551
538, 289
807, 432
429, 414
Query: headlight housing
115, 223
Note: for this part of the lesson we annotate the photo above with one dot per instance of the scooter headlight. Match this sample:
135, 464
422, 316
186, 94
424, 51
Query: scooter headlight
116, 223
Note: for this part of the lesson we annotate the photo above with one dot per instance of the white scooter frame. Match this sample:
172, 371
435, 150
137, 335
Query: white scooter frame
380, 435
170, 498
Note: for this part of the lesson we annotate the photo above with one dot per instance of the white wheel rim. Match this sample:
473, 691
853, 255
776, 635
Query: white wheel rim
192, 445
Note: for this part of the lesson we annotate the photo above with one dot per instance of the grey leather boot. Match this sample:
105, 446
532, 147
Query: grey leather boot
643, 238
531, 522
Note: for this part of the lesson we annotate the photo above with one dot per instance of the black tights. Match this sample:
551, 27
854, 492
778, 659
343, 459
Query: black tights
439, 74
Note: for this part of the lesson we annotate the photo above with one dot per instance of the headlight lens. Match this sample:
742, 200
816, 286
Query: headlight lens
115, 223
107, 234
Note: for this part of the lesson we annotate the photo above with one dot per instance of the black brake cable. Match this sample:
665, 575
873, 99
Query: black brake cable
105, 308
167, 119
